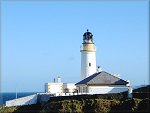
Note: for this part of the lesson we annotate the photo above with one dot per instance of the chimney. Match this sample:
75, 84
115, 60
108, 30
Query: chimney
117, 75
99, 69
58, 79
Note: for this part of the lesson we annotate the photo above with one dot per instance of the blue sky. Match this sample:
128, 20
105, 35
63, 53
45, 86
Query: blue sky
41, 40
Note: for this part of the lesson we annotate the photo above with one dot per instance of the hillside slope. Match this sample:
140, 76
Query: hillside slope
106, 103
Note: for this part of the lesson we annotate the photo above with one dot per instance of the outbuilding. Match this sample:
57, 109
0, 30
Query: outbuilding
102, 83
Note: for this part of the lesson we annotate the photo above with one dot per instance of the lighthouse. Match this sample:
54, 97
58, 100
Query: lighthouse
88, 56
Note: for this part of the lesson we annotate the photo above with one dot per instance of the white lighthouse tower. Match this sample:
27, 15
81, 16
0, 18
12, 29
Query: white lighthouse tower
88, 56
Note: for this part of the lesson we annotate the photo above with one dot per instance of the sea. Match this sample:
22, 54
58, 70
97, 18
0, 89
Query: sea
5, 96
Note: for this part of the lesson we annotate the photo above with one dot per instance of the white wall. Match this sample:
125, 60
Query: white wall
70, 86
54, 88
28, 100
106, 89
86, 58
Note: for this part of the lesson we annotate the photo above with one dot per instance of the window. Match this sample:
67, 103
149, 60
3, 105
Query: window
84, 89
89, 64
79, 89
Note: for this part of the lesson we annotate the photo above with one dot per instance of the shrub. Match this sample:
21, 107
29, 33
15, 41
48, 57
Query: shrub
8, 109
130, 105
144, 105
141, 95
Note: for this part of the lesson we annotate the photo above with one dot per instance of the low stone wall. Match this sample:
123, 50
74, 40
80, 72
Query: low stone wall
28, 100
39, 98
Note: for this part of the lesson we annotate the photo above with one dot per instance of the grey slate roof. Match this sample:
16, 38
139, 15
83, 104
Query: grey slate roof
102, 78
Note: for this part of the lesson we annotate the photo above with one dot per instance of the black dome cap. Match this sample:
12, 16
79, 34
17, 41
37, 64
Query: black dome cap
88, 36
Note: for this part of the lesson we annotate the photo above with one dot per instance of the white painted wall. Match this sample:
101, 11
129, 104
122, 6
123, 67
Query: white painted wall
28, 100
54, 88
106, 89
70, 86
86, 58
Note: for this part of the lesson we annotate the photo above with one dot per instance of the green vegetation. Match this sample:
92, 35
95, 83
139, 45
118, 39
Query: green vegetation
143, 89
142, 93
8, 110
85, 106
80, 106
22, 109
108, 103
97, 106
